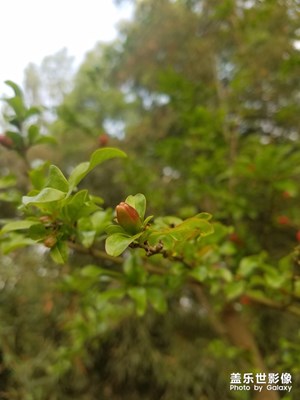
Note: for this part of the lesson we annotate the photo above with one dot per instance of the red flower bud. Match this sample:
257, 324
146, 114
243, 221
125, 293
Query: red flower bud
103, 140
245, 300
234, 238
286, 194
6, 141
283, 220
298, 236
128, 218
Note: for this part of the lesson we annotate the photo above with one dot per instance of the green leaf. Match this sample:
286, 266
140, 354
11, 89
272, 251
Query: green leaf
111, 229
87, 237
18, 225
16, 138
38, 176
98, 157
112, 294
17, 105
45, 139
100, 220
96, 199
234, 289
37, 232
101, 155
46, 195
199, 273
138, 202
224, 274
74, 207
78, 173
33, 133
15, 242
157, 299
118, 242
94, 274
204, 215
17, 90
91, 271
59, 253
139, 295
199, 225
188, 229
147, 220
275, 279
168, 221
57, 180
247, 266
33, 111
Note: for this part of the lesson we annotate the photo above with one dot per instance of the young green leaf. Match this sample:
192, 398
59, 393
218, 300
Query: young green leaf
57, 180
138, 202
18, 225
46, 195
17, 90
118, 242
59, 253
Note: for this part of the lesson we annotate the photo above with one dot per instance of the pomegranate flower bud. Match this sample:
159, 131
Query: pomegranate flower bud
128, 218
6, 141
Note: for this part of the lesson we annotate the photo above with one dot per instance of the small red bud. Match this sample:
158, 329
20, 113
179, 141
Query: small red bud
50, 241
128, 218
245, 300
6, 141
286, 195
234, 238
103, 140
283, 220
298, 236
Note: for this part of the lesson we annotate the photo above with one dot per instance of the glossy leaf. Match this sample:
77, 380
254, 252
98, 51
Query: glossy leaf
46, 195
16, 138
56, 179
138, 202
118, 242
33, 133
18, 225
59, 253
